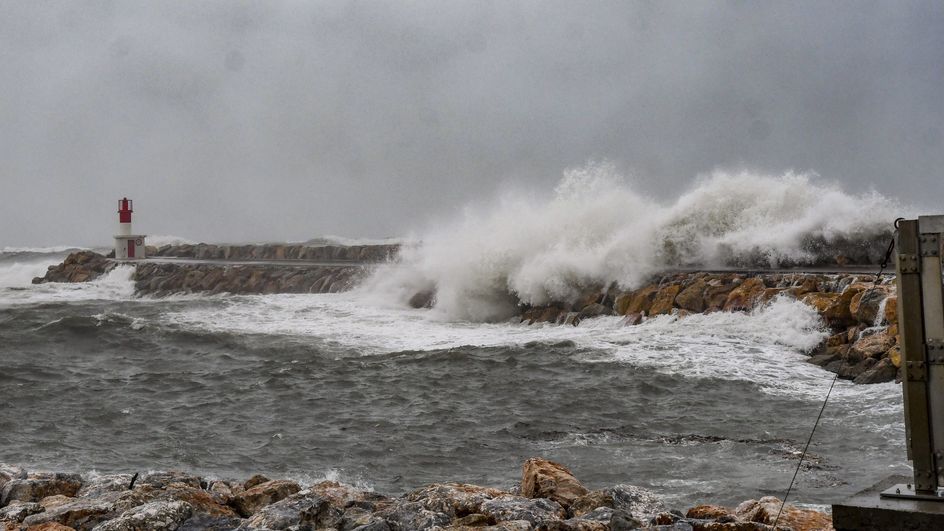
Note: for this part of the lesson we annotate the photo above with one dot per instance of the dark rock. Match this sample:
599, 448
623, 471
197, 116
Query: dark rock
881, 372
204, 522
423, 299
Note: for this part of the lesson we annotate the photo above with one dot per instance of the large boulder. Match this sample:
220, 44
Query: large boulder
640, 503
692, 298
664, 300
866, 304
541, 478
251, 500
538, 511
454, 499
765, 511
743, 297
37, 486
78, 513
408, 516
303, 509
873, 346
154, 516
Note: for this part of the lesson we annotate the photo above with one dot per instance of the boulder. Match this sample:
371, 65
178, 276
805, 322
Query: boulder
454, 499
541, 478
302, 509
765, 511
692, 298
37, 486
639, 503
883, 371
641, 300
865, 305
710, 512
154, 516
594, 310
408, 516
18, 511
257, 479
204, 522
98, 485
200, 501
891, 310
664, 300
743, 297
78, 513
248, 502
163, 478
873, 346
537, 511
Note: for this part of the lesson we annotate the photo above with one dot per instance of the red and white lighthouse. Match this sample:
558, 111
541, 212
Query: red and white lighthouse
128, 246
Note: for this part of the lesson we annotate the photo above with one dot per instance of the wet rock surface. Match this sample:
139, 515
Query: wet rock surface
184, 502
858, 310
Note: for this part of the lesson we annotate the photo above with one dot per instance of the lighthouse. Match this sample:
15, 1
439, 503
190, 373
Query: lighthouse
128, 246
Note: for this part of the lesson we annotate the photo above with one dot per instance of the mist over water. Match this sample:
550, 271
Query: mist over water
597, 229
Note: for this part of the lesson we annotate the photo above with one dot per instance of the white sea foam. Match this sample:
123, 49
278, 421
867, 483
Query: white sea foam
53, 249
158, 240
115, 285
596, 229
763, 347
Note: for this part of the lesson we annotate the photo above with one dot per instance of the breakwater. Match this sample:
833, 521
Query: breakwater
548, 497
859, 310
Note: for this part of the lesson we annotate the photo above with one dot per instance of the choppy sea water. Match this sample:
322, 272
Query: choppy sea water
708, 408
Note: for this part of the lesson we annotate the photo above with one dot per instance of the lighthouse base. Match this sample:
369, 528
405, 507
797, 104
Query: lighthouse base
130, 246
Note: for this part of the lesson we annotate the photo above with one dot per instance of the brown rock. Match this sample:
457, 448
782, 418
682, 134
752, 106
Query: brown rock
664, 300
257, 479
692, 298
744, 296
883, 371
541, 478
631, 319
50, 526
709, 512
250, 501
454, 499
642, 300
891, 310
894, 355
765, 511
873, 346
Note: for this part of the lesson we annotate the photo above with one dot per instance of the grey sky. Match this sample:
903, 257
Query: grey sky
287, 120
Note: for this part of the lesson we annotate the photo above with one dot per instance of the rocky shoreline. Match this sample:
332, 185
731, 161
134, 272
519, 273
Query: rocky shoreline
548, 497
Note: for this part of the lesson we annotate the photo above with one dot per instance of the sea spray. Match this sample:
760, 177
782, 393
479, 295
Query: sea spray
597, 229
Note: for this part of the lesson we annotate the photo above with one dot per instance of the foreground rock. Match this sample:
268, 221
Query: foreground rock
551, 498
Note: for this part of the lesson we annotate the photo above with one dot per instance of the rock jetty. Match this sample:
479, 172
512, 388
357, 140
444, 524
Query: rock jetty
859, 310
264, 269
549, 498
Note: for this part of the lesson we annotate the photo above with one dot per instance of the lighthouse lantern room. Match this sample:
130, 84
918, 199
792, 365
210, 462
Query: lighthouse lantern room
128, 246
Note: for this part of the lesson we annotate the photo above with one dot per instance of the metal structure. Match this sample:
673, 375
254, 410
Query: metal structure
921, 329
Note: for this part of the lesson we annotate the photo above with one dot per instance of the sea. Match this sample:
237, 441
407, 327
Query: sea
360, 388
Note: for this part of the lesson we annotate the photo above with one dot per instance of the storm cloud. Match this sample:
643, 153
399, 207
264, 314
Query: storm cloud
239, 121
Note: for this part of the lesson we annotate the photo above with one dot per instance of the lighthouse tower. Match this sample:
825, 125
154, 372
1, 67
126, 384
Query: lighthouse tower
128, 246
